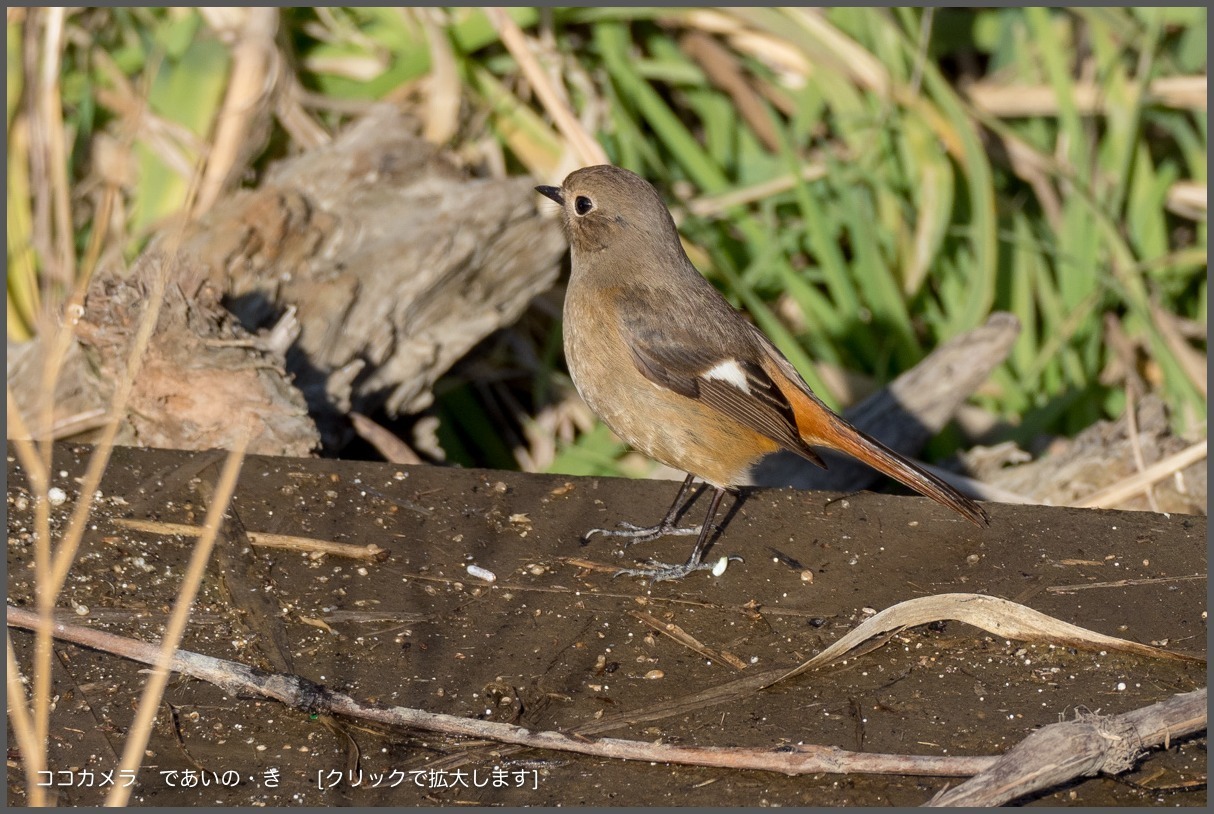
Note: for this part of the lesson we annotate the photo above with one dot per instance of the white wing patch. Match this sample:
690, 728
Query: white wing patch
729, 371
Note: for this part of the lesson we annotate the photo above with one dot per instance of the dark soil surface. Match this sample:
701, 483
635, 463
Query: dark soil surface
552, 645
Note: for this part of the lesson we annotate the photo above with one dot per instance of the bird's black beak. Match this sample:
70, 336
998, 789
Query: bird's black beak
552, 192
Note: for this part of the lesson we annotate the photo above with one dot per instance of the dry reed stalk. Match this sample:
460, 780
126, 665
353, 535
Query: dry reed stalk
141, 728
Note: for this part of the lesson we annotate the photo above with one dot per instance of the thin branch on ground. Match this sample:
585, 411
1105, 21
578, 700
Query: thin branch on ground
299, 693
1086, 746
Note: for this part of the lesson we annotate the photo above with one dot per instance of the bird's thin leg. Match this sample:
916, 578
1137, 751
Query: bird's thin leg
660, 571
701, 548
666, 526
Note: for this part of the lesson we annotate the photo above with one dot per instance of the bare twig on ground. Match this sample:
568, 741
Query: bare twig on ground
299, 693
687, 640
1089, 745
1052, 755
1121, 583
264, 539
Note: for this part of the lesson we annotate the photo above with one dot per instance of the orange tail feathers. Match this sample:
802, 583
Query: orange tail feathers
818, 426
847, 438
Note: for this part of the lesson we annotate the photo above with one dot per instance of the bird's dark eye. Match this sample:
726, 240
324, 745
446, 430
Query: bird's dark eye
582, 205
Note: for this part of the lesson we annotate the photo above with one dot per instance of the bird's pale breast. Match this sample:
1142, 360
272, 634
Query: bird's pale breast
680, 432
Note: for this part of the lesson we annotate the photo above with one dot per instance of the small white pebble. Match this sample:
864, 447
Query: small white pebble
482, 573
1120, 686
56, 496
720, 567
653, 675
82, 610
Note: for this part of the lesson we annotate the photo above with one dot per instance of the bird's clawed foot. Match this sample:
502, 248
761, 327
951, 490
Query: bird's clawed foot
643, 534
666, 572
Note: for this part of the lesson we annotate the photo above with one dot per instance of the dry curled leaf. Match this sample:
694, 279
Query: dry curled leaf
994, 615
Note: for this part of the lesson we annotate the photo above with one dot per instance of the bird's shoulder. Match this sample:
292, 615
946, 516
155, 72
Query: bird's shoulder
690, 314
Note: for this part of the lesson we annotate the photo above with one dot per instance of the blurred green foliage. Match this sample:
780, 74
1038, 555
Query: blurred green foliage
903, 186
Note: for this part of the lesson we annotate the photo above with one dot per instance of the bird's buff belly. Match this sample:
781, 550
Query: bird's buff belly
675, 430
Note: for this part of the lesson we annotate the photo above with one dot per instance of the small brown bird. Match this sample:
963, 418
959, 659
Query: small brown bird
676, 372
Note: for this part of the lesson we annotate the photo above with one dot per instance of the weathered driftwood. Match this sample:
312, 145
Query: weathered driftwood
908, 412
202, 381
1104, 453
388, 262
396, 262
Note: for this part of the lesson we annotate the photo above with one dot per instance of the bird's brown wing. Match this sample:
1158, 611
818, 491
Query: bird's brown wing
731, 381
729, 365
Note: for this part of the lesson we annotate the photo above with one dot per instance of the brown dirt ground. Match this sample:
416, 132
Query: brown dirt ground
551, 645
